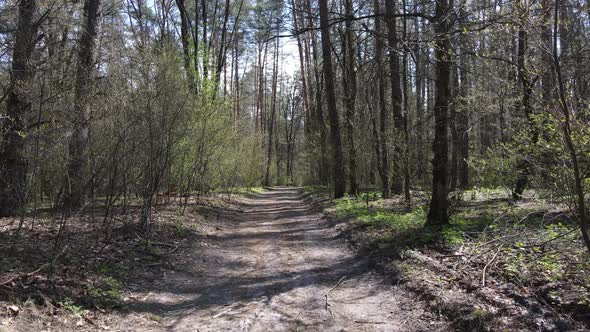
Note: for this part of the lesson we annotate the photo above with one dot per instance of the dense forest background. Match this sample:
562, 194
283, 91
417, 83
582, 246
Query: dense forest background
107, 101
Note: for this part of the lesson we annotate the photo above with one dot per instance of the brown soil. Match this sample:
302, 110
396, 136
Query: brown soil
279, 267
274, 265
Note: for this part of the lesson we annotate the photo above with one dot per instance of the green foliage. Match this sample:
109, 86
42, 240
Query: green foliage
155, 318
495, 169
72, 307
181, 230
106, 293
243, 190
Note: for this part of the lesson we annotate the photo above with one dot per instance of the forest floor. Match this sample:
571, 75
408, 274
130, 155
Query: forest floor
271, 261
499, 265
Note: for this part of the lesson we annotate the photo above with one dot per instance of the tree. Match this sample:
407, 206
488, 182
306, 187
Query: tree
383, 149
335, 141
396, 94
78, 145
18, 106
438, 213
349, 83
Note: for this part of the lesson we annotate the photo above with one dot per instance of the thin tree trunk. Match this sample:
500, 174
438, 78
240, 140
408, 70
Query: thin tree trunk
349, 82
267, 177
524, 166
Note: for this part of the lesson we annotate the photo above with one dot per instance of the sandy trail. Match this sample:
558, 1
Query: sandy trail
271, 271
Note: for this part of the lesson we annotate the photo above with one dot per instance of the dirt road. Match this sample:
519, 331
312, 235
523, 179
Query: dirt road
280, 267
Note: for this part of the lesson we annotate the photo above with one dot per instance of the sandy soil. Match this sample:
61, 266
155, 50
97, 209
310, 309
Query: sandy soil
278, 266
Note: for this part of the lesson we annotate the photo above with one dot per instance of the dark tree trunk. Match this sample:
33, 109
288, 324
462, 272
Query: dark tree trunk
420, 155
384, 170
319, 121
454, 126
78, 145
438, 213
524, 166
396, 95
18, 106
222, 46
185, 33
349, 80
335, 142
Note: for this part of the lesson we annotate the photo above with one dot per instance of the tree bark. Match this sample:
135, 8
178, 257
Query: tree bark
349, 82
185, 32
384, 168
78, 145
396, 96
335, 141
18, 106
438, 213
524, 166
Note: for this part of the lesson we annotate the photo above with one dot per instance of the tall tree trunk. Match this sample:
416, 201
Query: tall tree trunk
384, 169
275, 71
78, 145
406, 140
302, 69
453, 124
18, 106
438, 213
396, 95
420, 155
185, 32
204, 47
335, 142
221, 55
462, 127
524, 166
323, 166
349, 82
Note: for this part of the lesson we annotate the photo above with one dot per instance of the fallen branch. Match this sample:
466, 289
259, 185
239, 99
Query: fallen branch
333, 288
368, 322
485, 268
325, 296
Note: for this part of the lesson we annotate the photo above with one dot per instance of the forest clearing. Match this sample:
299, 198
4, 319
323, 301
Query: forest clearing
294, 165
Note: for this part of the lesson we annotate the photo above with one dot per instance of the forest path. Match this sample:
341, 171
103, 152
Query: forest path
271, 270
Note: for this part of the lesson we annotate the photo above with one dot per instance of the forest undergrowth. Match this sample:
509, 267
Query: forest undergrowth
103, 260
498, 265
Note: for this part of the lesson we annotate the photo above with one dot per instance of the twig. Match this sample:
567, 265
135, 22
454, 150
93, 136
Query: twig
173, 250
163, 244
542, 244
325, 295
368, 322
483, 277
333, 288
